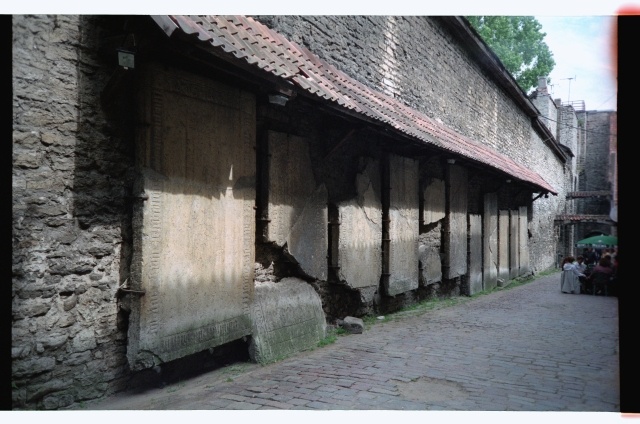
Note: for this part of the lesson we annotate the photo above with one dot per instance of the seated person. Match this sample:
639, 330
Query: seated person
614, 278
603, 272
582, 269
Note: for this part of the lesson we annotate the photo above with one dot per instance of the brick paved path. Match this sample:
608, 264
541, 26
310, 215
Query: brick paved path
528, 348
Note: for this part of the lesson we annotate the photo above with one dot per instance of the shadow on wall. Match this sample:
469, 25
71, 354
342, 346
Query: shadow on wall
102, 182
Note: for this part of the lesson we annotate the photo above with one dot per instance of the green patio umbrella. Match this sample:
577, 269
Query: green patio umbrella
598, 241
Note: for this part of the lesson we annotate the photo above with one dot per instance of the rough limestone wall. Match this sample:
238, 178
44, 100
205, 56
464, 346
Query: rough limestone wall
544, 235
596, 168
597, 158
70, 178
416, 60
548, 111
568, 136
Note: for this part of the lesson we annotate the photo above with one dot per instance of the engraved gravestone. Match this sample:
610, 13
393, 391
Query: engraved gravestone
523, 241
456, 238
490, 244
403, 225
297, 206
430, 242
503, 248
287, 317
434, 201
193, 236
514, 244
475, 254
360, 233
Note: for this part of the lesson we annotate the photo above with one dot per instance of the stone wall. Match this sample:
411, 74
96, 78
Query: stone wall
568, 136
415, 59
597, 155
72, 173
597, 167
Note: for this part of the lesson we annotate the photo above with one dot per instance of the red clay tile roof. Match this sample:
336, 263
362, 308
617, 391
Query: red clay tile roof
260, 46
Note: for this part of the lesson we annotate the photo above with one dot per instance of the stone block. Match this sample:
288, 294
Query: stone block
352, 325
287, 317
75, 265
84, 340
431, 263
53, 341
51, 386
20, 352
503, 245
523, 240
31, 308
514, 244
360, 233
434, 201
403, 226
455, 239
475, 254
26, 159
194, 242
32, 367
26, 138
297, 205
490, 241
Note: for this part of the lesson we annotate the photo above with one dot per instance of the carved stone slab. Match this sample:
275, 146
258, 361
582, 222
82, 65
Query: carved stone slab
194, 235
434, 201
523, 241
455, 241
475, 254
503, 245
431, 241
431, 262
490, 243
297, 206
360, 233
514, 244
403, 226
287, 317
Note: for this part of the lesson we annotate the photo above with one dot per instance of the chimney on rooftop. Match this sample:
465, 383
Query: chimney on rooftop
542, 85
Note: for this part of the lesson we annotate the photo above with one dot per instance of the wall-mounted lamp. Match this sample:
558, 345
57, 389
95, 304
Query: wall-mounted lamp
451, 161
126, 58
278, 99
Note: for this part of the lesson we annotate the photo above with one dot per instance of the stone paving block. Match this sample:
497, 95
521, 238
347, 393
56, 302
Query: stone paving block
287, 317
216, 404
298, 402
383, 391
318, 405
467, 344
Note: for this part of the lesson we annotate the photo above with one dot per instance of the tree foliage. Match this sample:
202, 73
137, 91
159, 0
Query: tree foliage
519, 43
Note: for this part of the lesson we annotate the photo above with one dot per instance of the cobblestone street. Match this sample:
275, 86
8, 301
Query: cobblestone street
527, 348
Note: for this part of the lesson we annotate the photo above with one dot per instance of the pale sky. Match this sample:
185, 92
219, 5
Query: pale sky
582, 48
